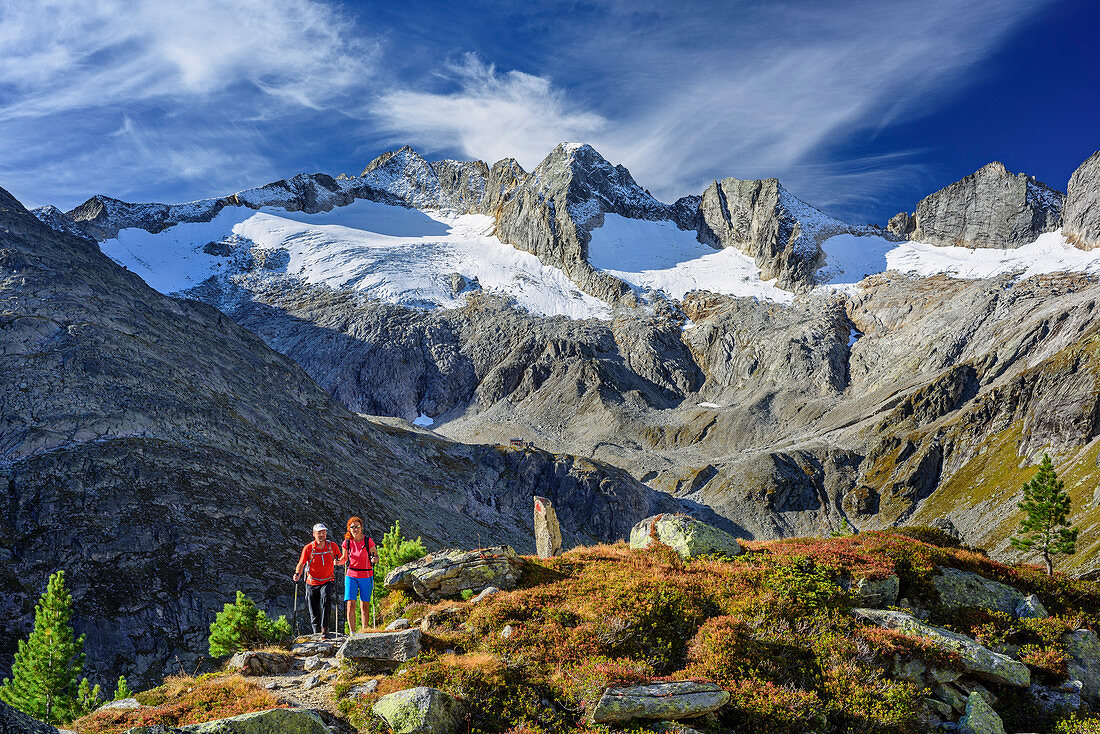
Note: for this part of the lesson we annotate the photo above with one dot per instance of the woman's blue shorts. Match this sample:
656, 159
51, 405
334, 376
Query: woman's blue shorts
362, 588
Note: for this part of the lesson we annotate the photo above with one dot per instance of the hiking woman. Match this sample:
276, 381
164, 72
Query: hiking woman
360, 556
320, 555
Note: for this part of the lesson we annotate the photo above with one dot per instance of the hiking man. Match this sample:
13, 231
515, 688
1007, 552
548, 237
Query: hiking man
360, 556
320, 556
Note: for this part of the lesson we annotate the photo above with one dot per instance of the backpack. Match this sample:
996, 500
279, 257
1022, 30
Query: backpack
366, 546
313, 551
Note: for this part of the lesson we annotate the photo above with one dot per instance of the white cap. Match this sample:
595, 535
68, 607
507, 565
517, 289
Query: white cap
319, 526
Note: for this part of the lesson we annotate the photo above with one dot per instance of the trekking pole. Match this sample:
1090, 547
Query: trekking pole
297, 629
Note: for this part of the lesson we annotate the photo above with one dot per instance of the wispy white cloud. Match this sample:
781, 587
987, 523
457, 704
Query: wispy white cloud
491, 115
110, 95
682, 94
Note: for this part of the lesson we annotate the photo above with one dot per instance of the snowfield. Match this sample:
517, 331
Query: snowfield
849, 259
660, 256
389, 253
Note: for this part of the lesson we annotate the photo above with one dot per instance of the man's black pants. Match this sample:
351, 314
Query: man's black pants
320, 604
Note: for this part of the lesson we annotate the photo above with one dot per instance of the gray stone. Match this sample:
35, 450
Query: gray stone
547, 530
911, 670
364, 690
978, 660
959, 589
282, 721
1058, 700
1084, 663
312, 663
310, 682
950, 695
384, 648
659, 701
989, 208
506, 632
398, 624
1031, 608
1081, 221
307, 649
122, 703
939, 708
252, 662
980, 718
685, 535
876, 592
485, 593
449, 572
420, 710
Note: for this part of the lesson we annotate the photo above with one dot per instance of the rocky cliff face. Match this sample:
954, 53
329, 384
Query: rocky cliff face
763, 220
989, 208
165, 457
1081, 220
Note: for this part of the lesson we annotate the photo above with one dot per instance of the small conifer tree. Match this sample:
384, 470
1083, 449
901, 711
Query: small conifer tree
241, 625
395, 551
45, 675
122, 690
88, 698
1046, 528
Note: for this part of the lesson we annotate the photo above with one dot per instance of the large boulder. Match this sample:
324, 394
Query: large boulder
980, 718
658, 701
1084, 663
272, 721
420, 710
14, 721
876, 592
1081, 223
381, 649
685, 535
979, 661
959, 589
450, 572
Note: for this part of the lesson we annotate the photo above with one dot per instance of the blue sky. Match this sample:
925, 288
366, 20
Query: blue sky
860, 107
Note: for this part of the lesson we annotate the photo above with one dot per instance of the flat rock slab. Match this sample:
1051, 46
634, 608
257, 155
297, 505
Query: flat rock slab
978, 660
450, 572
420, 710
307, 649
659, 701
272, 721
259, 663
388, 648
685, 535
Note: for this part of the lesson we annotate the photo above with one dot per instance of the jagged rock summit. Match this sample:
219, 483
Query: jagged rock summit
1082, 213
989, 208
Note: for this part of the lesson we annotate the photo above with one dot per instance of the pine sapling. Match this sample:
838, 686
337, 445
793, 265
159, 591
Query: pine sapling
1046, 528
45, 675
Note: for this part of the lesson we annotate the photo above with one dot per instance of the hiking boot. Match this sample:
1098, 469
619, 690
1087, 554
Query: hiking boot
324, 633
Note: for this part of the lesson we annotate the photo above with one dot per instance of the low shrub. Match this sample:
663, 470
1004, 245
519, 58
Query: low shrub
763, 707
930, 535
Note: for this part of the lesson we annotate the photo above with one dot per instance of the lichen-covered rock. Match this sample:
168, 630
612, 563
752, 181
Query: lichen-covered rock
450, 572
1083, 647
978, 660
122, 703
1081, 220
980, 718
959, 589
420, 710
383, 648
989, 208
876, 592
685, 535
676, 700
251, 662
272, 721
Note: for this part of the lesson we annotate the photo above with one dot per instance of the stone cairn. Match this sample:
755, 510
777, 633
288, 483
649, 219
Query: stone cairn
547, 530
